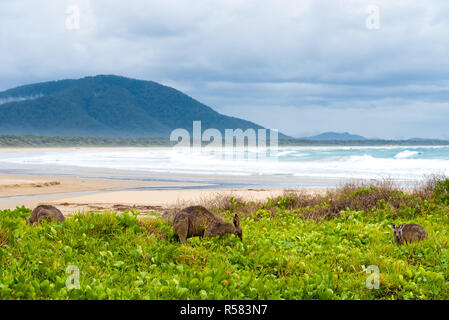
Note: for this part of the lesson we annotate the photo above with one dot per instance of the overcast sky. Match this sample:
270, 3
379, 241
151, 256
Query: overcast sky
375, 68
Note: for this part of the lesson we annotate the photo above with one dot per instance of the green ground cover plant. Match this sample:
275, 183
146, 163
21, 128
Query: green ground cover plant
296, 246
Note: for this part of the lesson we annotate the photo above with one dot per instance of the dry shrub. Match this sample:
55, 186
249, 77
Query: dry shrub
3, 238
358, 196
218, 203
170, 212
151, 227
425, 188
191, 258
229, 203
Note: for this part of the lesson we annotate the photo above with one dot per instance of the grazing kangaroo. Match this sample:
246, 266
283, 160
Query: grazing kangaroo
45, 212
408, 233
197, 221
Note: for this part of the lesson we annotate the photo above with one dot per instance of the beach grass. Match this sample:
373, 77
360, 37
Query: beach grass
295, 246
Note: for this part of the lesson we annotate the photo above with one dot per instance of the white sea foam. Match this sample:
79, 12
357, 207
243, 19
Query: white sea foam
406, 154
333, 162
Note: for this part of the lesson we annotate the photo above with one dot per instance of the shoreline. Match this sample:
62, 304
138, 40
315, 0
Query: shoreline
73, 194
32, 190
18, 185
156, 147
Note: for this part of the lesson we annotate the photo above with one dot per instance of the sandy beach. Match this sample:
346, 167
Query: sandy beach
72, 194
12, 185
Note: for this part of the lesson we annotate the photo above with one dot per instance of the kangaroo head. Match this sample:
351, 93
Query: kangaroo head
238, 229
397, 232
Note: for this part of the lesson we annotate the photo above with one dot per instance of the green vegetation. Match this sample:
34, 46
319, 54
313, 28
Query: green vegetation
12, 141
105, 106
29, 141
442, 191
362, 143
297, 246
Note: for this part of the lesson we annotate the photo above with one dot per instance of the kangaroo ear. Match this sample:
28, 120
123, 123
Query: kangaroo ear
236, 220
393, 225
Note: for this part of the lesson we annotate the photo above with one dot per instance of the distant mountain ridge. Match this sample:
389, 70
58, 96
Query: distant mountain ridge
106, 106
345, 136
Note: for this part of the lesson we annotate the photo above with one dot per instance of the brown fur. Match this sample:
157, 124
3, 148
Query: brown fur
407, 233
45, 212
197, 221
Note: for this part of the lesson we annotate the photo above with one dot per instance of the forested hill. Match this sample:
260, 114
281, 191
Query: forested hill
105, 106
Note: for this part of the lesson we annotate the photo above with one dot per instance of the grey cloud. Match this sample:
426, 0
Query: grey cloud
252, 58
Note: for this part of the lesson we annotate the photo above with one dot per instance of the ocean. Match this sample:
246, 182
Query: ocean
321, 163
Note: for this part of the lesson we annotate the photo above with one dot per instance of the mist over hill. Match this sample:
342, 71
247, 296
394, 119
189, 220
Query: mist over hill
106, 106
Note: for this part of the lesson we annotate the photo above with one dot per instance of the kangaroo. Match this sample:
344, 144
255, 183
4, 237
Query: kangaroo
197, 221
45, 212
408, 233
